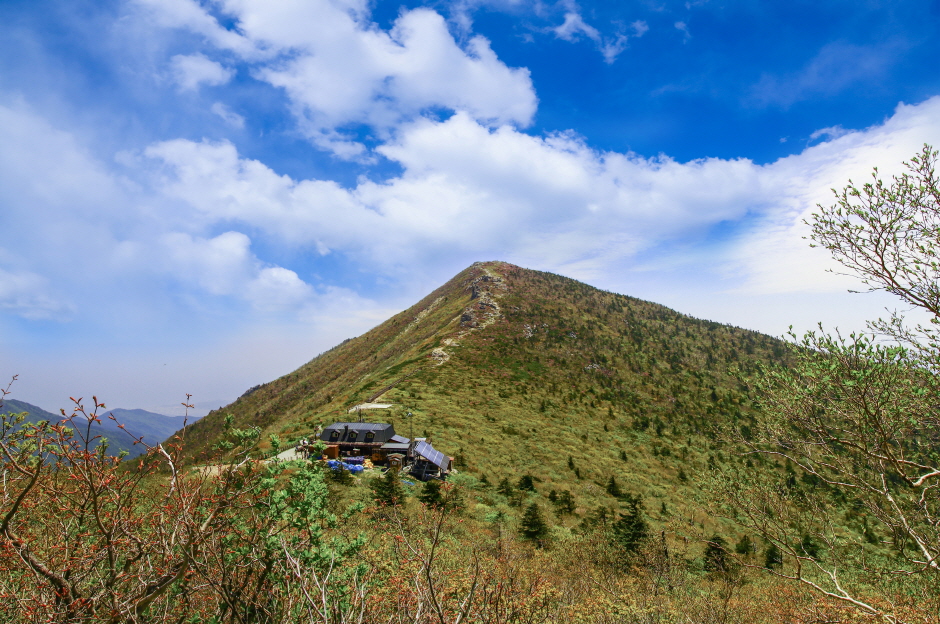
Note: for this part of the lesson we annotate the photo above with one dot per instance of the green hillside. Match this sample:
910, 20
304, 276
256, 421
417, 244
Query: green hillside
515, 372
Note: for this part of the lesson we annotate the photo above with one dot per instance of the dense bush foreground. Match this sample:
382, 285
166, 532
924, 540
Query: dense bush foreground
87, 538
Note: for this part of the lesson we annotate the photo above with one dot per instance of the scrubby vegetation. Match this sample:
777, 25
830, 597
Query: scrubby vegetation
855, 418
89, 539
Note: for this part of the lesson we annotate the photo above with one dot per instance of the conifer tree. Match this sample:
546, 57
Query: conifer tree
612, 488
388, 489
431, 494
533, 526
526, 483
745, 545
809, 546
630, 529
564, 502
715, 559
773, 558
340, 475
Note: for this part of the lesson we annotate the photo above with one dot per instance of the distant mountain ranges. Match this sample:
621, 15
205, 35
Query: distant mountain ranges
152, 427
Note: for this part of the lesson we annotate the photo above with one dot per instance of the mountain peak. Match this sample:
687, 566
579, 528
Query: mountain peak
512, 370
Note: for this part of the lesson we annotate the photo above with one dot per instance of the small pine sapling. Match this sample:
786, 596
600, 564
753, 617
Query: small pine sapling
387, 490
613, 488
745, 546
431, 494
526, 483
773, 558
505, 487
715, 555
630, 529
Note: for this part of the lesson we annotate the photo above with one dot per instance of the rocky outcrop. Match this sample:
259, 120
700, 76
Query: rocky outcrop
482, 312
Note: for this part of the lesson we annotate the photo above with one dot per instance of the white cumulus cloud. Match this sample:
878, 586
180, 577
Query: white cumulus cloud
224, 265
194, 70
25, 294
469, 190
340, 70
574, 27
228, 115
774, 257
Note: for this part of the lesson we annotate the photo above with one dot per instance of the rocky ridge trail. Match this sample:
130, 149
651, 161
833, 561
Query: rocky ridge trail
482, 312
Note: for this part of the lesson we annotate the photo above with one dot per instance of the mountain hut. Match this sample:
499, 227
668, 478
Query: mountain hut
374, 440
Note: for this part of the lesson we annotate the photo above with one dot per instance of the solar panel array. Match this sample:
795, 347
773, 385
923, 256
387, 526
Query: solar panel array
431, 454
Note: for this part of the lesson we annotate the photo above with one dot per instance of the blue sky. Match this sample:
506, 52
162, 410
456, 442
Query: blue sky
198, 196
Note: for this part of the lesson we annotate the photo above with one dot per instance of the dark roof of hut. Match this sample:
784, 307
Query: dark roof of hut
358, 433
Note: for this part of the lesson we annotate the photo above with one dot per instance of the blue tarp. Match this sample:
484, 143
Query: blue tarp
340, 465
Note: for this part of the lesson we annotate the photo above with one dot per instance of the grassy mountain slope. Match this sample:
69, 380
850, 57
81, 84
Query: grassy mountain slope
154, 428
515, 371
